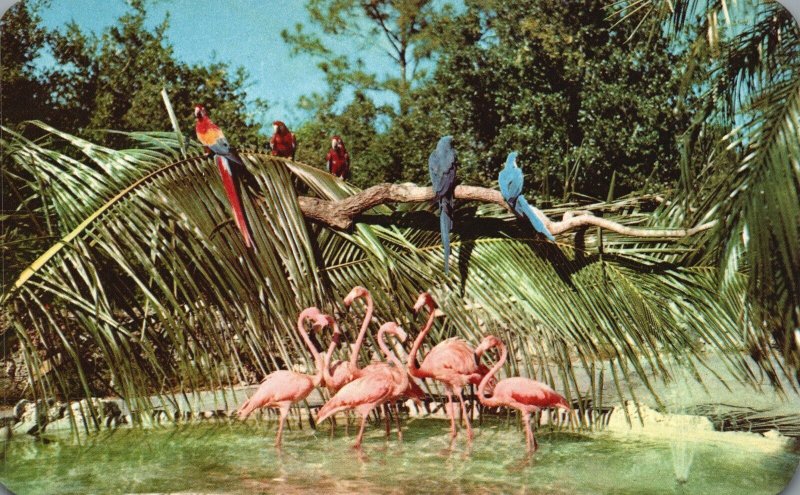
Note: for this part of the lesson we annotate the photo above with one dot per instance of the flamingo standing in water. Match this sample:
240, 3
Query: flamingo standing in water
371, 390
521, 393
338, 373
282, 388
452, 362
414, 391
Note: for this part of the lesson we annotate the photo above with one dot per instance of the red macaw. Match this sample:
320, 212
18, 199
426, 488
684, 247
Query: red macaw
214, 142
338, 158
283, 142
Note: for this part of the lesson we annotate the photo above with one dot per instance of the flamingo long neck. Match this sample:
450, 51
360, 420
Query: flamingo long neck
413, 366
362, 332
317, 378
326, 366
304, 315
391, 357
489, 401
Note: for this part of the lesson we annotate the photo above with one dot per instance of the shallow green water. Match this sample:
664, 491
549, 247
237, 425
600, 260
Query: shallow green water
239, 458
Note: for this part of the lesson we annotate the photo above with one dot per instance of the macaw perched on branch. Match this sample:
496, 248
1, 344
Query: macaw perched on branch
338, 158
442, 166
283, 142
511, 181
214, 142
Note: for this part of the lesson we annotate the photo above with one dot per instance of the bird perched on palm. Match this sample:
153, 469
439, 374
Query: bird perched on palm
338, 159
283, 142
228, 163
442, 165
511, 181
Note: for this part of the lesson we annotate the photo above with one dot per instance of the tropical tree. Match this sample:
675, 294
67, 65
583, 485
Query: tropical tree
151, 290
749, 182
593, 105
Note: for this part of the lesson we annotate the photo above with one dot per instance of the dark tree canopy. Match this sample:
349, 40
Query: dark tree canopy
586, 103
113, 81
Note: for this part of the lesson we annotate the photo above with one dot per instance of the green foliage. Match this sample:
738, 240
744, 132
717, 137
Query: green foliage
109, 81
25, 92
153, 291
114, 80
580, 98
748, 180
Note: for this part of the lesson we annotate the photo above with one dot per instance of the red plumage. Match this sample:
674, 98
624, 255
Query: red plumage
213, 140
283, 142
522, 393
338, 159
225, 172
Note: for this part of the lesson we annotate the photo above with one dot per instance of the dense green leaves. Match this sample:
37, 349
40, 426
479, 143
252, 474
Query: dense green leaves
113, 80
156, 293
749, 181
580, 96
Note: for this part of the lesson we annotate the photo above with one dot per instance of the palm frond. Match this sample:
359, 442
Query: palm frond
152, 291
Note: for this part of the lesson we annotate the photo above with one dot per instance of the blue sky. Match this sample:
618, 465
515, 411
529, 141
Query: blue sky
240, 32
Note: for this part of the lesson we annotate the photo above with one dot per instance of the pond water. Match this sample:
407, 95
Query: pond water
240, 458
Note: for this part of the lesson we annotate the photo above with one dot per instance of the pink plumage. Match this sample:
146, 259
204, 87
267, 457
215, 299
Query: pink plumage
451, 362
524, 394
371, 390
282, 388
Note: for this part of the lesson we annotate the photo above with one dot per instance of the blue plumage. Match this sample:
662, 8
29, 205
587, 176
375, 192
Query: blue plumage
442, 166
511, 181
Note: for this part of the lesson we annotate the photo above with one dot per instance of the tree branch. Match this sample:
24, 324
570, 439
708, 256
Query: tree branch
341, 214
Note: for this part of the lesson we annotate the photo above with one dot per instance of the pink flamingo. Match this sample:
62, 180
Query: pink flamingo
339, 373
371, 390
521, 393
282, 388
414, 391
452, 362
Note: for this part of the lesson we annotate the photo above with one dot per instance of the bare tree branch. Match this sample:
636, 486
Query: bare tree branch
342, 214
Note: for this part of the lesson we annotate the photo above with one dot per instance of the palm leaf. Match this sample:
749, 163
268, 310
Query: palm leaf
152, 291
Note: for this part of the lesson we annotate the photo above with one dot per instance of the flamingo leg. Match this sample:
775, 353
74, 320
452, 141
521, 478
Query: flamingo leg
284, 413
361, 430
530, 439
399, 426
470, 434
387, 420
450, 412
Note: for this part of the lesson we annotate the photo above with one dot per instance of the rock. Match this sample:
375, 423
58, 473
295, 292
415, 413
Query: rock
56, 411
20, 407
32, 417
107, 412
644, 418
774, 434
85, 411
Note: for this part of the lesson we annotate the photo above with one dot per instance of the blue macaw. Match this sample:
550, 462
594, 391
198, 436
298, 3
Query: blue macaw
511, 181
442, 167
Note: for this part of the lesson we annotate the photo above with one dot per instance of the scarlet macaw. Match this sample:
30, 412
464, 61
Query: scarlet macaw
283, 142
338, 158
442, 166
511, 181
213, 140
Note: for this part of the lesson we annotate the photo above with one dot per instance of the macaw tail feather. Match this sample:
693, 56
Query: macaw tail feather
231, 190
445, 224
523, 208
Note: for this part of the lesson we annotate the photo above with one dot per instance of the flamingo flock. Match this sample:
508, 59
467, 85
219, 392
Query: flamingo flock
453, 362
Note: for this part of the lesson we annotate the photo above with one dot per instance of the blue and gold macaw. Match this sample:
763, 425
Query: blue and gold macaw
511, 181
442, 166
